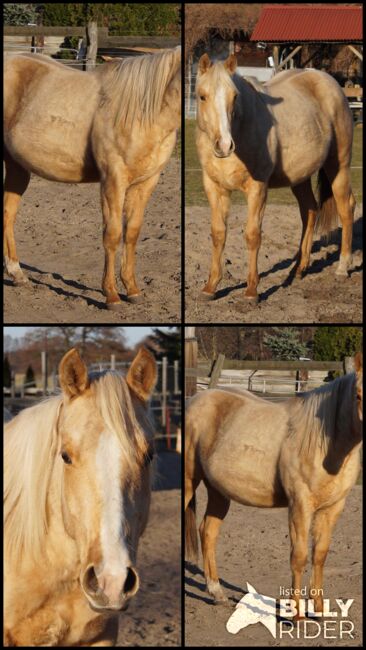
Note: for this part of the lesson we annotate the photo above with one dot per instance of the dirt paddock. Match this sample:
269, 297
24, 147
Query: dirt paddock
253, 546
320, 297
154, 615
59, 242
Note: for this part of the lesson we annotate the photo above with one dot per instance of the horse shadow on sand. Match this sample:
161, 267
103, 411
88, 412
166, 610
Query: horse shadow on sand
60, 291
316, 266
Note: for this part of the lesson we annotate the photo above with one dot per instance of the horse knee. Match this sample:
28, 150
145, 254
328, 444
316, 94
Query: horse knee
298, 560
319, 556
253, 238
218, 237
112, 237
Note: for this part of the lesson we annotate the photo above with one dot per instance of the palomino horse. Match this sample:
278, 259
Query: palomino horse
77, 494
303, 453
115, 125
252, 137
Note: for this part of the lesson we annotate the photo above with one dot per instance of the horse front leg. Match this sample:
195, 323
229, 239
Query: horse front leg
137, 197
16, 183
308, 211
257, 195
112, 195
216, 511
300, 513
324, 522
219, 200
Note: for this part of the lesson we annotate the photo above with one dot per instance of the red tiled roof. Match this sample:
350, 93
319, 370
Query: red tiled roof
309, 23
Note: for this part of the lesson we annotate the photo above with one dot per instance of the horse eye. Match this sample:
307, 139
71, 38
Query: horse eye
66, 458
202, 98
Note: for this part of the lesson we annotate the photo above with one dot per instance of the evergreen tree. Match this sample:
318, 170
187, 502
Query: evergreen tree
7, 373
334, 343
120, 18
29, 377
285, 343
168, 342
19, 13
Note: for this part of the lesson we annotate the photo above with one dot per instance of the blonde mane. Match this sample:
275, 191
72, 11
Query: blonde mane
30, 450
319, 417
135, 87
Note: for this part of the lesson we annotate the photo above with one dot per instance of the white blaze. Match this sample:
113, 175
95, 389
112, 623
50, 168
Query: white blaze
225, 139
115, 558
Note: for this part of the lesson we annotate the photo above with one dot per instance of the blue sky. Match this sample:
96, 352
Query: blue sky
133, 334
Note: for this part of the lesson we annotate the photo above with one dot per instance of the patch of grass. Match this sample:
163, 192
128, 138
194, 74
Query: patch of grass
195, 194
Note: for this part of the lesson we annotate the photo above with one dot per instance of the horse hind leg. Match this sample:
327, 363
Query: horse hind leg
216, 511
340, 181
16, 182
308, 211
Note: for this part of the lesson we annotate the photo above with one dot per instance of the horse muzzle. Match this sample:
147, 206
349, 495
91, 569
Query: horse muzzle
222, 151
107, 592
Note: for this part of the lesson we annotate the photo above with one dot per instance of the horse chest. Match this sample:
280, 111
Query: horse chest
230, 173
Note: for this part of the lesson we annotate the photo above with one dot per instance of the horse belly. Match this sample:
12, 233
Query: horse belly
51, 138
303, 152
248, 477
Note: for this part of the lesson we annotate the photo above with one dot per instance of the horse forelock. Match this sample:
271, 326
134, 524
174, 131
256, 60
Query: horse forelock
218, 77
116, 408
136, 86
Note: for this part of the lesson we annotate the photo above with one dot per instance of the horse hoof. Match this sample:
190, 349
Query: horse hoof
114, 306
252, 300
206, 297
22, 283
136, 298
221, 602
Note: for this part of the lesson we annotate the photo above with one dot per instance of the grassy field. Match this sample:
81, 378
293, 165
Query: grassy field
195, 195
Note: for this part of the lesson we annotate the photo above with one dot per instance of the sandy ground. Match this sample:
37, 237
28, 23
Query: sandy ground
154, 615
59, 242
320, 297
253, 546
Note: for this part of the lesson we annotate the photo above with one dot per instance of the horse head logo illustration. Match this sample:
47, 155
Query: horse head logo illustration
253, 608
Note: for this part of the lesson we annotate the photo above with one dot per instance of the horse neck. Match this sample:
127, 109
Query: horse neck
170, 115
329, 422
250, 105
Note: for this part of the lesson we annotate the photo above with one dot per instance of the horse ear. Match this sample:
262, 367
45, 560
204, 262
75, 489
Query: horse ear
358, 361
142, 374
231, 64
73, 374
204, 64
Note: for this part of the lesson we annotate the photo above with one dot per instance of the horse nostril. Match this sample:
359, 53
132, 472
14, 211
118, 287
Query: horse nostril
131, 583
90, 581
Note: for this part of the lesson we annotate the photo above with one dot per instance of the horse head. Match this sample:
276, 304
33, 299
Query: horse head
216, 93
104, 454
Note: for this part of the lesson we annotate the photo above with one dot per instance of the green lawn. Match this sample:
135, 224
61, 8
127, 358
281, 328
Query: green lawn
194, 192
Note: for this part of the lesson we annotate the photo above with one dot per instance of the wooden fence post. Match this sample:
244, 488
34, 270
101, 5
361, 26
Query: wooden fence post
92, 45
216, 371
348, 365
176, 376
164, 388
190, 360
44, 372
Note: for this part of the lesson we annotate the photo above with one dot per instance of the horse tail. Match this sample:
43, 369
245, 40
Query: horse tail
327, 209
191, 537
